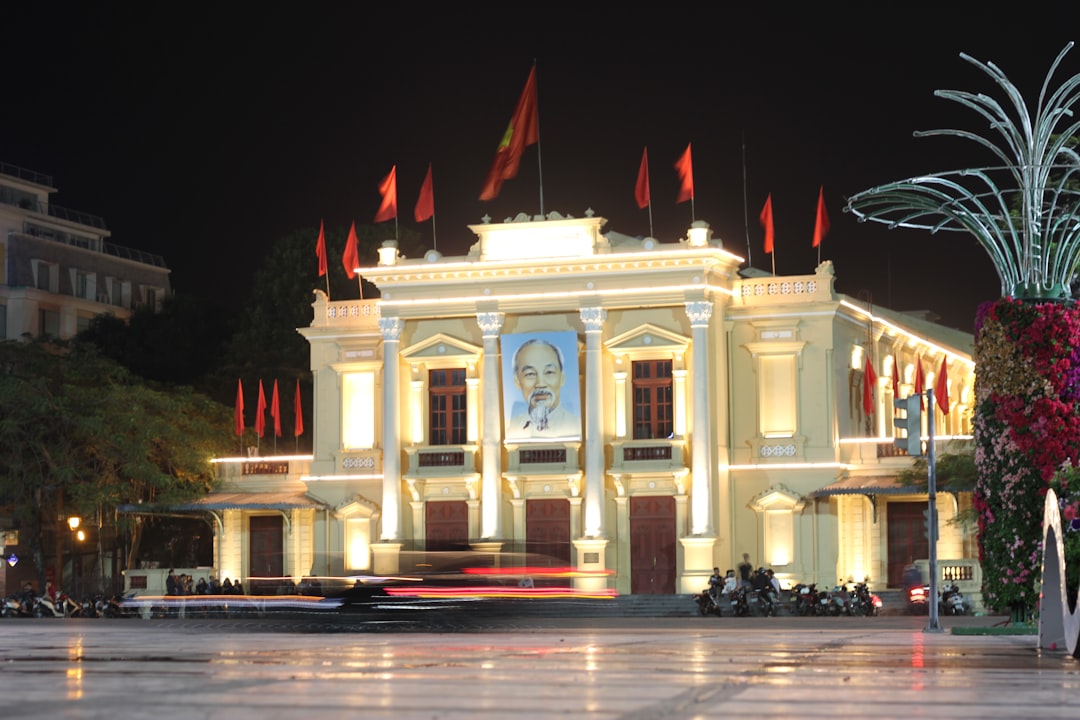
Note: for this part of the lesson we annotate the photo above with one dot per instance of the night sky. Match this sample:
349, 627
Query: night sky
204, 132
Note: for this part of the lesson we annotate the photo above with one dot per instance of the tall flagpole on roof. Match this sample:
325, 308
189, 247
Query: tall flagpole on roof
539, 163
746, 209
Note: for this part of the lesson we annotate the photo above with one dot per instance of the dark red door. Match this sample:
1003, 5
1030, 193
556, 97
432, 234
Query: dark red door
652, 545
447, 525
265, 553
547, 529
907, 537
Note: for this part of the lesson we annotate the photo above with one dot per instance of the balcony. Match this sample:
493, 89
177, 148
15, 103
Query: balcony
438, 461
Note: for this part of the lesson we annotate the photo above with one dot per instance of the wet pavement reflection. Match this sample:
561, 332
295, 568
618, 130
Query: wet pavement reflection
632, 668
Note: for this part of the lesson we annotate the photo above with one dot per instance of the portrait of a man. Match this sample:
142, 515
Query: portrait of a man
540, 384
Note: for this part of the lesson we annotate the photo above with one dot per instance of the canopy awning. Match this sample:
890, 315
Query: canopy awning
868, 485
233, 501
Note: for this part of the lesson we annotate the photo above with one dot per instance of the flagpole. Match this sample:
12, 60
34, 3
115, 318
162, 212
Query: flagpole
650, 219
539, 162
745, 206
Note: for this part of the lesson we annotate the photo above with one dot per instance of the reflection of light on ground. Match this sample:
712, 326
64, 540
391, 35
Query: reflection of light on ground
74, 672
918, 658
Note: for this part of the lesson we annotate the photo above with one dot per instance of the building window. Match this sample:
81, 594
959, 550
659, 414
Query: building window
82, 286
358, 411
776, 396
49, 323
116, 292
652, 386
446, 400
43, 281
358, 544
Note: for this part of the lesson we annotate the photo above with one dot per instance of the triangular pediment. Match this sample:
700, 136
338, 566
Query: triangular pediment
440, 346
776, 497
647, 337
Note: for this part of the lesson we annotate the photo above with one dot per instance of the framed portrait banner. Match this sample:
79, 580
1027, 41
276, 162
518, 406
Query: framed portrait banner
540, 386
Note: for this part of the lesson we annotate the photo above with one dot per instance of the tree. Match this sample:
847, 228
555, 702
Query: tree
83, 434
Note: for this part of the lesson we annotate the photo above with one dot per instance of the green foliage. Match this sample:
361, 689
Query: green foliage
953, 472
83, 434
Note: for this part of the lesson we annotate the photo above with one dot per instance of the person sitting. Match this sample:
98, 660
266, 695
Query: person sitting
716, 582
730, 582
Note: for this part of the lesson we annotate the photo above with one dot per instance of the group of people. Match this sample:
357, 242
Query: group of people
761, 581
182, 585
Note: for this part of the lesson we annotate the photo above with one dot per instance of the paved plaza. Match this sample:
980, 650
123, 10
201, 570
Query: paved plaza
627, 668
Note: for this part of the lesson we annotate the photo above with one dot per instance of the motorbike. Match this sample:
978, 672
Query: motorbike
953, 601
918, 599
864, 602
740, 601
45, 606
804, 599
766, 601
113, 606
708, 602
14, 606
838, 601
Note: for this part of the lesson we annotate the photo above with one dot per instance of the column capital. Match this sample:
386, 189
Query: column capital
391, 328
594, 318
699, 312
490, 323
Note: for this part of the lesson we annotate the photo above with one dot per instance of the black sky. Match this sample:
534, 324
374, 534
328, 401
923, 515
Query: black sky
204, 132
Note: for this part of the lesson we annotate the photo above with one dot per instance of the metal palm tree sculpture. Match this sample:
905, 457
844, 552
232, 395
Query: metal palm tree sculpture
1025, 213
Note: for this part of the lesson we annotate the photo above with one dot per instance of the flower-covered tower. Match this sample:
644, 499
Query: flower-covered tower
1025, 212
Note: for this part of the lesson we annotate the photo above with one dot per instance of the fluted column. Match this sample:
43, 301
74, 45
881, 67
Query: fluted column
391, 462
491, 448
594, 318
701, 523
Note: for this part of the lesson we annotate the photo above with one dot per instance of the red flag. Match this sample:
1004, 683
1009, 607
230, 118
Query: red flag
425, 205
767, 223
941, 387
260, 412
388, 188
920, 382
320, 250
275, 410
523, 130
685, 167
895, 379
298, 430
821, 223
641, 190
239, 414
869, 379
351, 258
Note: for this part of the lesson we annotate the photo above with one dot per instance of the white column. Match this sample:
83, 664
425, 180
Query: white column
391, 462
701, 484
620, 403
594, 439
491, 448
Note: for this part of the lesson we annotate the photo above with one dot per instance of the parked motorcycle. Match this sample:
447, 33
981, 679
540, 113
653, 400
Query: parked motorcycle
45, 606
708, 602
953, 601
804, 599
14, 606
838, 601
864, 602
740, 601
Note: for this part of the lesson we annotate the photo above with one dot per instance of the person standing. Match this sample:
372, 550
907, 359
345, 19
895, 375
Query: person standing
746, 569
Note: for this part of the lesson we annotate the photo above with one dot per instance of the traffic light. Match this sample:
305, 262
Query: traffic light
930, 524
911, 425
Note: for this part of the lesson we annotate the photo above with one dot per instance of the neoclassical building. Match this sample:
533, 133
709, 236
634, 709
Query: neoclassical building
687, 414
